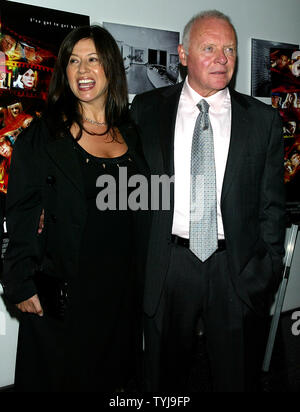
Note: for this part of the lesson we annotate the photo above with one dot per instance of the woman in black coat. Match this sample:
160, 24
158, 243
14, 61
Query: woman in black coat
76, 283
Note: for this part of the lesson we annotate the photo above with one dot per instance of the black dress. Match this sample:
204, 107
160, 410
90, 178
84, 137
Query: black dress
104, 314
94, 349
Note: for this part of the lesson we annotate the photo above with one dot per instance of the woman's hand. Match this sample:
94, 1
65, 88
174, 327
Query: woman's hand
31, 305
41, 222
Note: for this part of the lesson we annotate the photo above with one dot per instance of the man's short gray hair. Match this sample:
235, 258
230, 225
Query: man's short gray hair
200, 16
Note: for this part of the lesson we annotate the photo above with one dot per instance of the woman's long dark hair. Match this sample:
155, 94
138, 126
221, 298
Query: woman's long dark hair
63, 108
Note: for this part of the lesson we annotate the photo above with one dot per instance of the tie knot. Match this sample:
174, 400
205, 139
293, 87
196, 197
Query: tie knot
203, 107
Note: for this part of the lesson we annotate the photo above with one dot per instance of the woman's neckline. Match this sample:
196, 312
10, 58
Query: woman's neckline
102, 158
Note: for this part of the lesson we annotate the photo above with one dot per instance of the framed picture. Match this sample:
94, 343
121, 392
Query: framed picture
285, 81
150, 56
260, 65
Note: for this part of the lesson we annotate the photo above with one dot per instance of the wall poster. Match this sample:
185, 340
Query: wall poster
29, 41
285, 78
260, 65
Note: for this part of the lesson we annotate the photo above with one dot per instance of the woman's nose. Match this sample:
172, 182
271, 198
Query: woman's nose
83, 67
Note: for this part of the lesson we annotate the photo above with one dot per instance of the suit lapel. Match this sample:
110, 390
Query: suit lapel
169, 107
238, 139
62, 153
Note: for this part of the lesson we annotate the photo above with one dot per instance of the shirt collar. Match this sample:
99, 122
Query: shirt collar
216, 101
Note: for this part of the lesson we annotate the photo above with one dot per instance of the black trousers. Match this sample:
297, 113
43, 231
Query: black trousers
199, 304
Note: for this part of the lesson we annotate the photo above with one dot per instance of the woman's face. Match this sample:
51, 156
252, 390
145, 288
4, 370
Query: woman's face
85, 73
15, 110
28, 79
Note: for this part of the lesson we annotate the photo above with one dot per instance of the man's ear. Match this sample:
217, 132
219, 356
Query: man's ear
182, 55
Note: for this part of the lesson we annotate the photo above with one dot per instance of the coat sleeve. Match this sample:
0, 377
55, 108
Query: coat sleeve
259, 280
273, 192
23, 210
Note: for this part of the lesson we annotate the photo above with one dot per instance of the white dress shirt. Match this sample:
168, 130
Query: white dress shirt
220, 118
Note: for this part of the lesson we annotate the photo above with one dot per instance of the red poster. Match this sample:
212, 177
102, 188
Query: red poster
285, 76
29, 41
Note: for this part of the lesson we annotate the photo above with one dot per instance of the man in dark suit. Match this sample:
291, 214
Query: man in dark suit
227, 295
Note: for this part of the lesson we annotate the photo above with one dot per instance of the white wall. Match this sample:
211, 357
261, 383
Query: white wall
275, 20
8, 345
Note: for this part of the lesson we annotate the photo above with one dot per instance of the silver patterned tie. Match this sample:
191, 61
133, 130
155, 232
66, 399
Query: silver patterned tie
203, 207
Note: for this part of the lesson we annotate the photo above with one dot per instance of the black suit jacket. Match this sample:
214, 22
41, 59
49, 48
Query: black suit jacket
45, 174
252, 201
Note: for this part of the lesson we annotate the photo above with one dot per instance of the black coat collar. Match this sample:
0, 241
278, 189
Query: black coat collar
62, 153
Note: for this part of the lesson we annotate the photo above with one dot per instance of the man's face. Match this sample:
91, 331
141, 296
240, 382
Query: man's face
211, 56
275, 101
292, 126
7, 43
283, 61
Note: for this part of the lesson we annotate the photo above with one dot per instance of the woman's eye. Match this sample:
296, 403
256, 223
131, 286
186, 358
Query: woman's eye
93, 59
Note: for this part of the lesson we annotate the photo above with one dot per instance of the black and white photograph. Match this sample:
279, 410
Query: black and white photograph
150, 56
260, 65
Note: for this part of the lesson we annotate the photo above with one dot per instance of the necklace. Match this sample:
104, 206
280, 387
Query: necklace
94, 122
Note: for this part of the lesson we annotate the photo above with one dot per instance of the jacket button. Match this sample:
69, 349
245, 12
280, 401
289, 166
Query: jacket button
50, 180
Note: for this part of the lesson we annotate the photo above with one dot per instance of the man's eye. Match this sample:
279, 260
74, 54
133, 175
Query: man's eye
230, 50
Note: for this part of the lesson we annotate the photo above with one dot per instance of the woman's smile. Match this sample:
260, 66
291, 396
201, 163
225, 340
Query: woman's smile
85, 73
